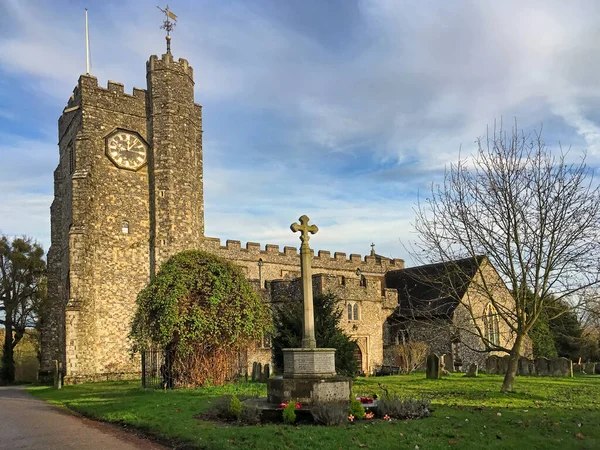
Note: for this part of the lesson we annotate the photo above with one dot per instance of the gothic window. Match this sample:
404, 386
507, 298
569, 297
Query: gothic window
267, 340
403, 336
71, 158
125, 227
353, 311
491, 325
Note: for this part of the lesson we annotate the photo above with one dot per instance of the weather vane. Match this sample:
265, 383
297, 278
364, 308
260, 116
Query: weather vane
167, 25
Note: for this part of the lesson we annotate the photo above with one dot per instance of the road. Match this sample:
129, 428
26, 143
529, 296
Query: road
29, 423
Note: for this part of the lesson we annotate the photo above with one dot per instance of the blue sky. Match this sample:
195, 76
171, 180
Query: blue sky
342, 110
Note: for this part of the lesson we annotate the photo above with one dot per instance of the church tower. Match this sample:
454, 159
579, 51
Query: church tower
128, 194
175, 163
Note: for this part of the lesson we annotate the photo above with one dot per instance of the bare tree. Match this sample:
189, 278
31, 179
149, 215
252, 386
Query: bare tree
535, 217
22, 287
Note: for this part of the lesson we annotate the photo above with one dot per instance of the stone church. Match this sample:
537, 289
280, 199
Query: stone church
128, 194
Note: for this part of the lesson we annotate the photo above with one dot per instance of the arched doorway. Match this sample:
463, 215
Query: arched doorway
359, 362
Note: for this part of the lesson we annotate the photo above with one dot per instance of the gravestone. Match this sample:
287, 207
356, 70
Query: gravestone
542, 366
443, 367
491, 364
434, 370
589, 368
266, 373
57, 374
526, 367
597, 369
258, 371
254, 371
503, 364
472, 370
449, 362
561, 367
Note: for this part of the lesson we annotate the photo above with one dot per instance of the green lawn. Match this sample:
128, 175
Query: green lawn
468, 413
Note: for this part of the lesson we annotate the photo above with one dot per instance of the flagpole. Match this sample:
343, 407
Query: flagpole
87, 44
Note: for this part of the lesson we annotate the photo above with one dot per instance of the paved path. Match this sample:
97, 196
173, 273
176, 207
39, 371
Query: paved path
28, 423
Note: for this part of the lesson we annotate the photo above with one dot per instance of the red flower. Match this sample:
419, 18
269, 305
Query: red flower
283, 405
298, 405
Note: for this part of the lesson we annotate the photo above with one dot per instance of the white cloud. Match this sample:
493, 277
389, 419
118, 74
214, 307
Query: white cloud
397, 95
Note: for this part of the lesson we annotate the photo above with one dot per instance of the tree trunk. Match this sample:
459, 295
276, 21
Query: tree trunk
513, 365
7, 371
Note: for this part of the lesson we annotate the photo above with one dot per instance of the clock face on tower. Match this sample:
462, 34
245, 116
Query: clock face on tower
126, 149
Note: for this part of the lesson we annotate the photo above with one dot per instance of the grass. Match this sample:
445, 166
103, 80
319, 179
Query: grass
543, 413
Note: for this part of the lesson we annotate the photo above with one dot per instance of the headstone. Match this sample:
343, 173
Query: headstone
597, 368
561, 367
57, 374
443, 367
491, 364
589, 368
266, 373
503, 364
542, 366
472, 370
434, 371
258, 371
449, 363
526, 367
254, 371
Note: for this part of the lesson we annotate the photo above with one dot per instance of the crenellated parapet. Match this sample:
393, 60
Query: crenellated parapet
112, 97
347, 289
289, 256
167, 62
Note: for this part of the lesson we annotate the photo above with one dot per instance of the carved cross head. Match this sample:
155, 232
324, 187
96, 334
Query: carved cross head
304, 228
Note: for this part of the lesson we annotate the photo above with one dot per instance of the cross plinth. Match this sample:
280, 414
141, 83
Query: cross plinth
308, 335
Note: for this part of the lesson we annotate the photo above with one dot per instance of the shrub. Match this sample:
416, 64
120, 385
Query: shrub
330, 414
235, 407
202, 311
289, 413
408, 357
357, 409
287, 319
250, 415
403, 408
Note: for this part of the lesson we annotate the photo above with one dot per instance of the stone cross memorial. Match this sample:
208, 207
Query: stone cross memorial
308, 372
308, 336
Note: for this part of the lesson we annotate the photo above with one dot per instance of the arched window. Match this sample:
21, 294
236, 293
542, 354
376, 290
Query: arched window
491, 324
125, 227
353, 311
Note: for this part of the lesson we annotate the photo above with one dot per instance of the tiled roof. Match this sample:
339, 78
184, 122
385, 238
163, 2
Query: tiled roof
433, 290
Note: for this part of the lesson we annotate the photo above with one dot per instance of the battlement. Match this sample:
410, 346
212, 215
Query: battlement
166, 61
90, 83
345, 288
112, 97
272, 253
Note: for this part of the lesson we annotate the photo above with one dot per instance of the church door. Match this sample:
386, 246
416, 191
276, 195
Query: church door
358, 357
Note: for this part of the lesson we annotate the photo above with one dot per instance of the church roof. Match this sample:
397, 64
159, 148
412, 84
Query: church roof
433, 290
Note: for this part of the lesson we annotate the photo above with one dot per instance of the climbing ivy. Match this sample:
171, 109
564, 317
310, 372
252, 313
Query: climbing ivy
201, 308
